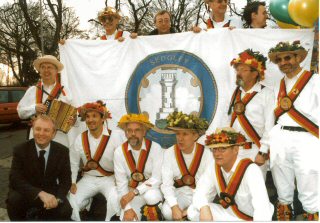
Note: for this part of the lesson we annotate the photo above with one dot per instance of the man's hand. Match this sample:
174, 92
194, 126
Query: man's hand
72, 120
62, 41
196, 29
126, 199
231, 27
41, 108
49, 200
259, 160
133, 35
121, 39
205, 214
177, 213
73, 189
130, 215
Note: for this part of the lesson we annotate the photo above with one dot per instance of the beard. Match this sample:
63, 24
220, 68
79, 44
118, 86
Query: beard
134, 141
239, 82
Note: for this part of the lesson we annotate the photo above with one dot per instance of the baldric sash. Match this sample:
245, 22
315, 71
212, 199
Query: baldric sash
239, 108
286, 103
211, 26
228, 192
93, 163
188, 175
117, 36
137, 170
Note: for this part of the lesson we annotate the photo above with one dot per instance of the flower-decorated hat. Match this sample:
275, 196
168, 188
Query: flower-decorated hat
108, 11
286, 47
253, 59
139, 118
98, 106
180, 121
48, 59
225, 137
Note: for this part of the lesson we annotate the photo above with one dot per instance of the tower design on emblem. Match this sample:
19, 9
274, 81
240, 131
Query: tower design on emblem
168, 83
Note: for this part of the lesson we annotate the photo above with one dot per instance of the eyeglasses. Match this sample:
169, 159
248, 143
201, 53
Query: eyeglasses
107, 19
135, 131
219, 149
286, 58
165, 21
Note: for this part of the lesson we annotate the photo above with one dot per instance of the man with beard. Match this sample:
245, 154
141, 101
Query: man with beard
218, 18
95, 147
237, 184
251, 107
138, 171
294, 140
184, 164
255, 15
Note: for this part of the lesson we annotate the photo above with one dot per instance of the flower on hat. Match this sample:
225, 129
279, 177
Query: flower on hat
225, 137
286, 46
252, 58
98, 106
139, 118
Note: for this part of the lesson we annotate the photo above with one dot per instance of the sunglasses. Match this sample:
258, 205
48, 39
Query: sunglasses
286, 58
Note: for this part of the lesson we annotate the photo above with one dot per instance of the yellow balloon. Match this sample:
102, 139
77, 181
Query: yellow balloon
304, 12
283, 25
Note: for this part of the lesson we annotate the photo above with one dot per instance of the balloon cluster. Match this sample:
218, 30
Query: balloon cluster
291, 14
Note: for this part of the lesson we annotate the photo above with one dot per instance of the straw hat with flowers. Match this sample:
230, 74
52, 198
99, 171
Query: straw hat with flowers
225, 137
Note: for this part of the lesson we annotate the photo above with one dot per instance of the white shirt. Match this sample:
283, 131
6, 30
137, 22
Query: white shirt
106, 161
259, 112
307, 103
234, 22
152, 170
125, 34
171, 172
251, 197
27, 105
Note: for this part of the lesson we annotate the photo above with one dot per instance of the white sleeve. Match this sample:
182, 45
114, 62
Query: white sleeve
27, 105
75, 150
167, 187
156, 154
205, 186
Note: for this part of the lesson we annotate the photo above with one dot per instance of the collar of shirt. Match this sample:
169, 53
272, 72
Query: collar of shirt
104, 132
143, 146
48, 87
257, 87
227, 175
190, 154
47, 149
294, 79
226, 19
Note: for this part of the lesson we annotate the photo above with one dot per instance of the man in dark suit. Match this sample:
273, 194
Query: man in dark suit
40, 177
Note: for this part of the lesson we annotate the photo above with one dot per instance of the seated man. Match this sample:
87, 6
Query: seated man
184, 164
95, 147
40, 177
239, 187
162, 21
137, 167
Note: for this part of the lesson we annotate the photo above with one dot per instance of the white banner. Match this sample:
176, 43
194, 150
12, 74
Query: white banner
159, 74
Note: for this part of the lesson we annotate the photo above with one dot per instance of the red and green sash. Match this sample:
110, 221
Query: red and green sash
53, 94
199, 150
292, 96
228, 192
139, 167
211, 26
243, 120
117, 36
99, 152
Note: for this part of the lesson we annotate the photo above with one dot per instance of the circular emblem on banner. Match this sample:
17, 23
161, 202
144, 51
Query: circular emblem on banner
188, 180
92, 165
239, 107
137, 176
171, 81
285, 103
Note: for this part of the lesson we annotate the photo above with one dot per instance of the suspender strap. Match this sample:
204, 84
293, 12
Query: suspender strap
118, 34
228, 192
211, 26
286, 103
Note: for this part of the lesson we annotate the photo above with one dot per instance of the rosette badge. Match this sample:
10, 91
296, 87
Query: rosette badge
180, 121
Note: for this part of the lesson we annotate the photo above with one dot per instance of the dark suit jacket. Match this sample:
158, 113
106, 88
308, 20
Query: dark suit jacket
25, 176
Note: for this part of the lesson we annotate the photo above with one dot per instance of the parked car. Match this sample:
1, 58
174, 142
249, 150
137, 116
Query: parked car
9, 99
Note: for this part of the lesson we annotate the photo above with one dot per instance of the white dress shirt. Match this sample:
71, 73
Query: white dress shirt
171, 172
106, 161
152, 170
234, 22
125, 34
251, 197
259, 112
307, 103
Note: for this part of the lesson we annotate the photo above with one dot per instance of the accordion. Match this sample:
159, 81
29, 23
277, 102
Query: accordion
60, 112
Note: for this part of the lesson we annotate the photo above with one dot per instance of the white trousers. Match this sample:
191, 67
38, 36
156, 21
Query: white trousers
251, 154
184, 201
88, 187
150, 197
295, 155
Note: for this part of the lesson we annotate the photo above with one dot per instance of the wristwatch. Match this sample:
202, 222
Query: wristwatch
136, 192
